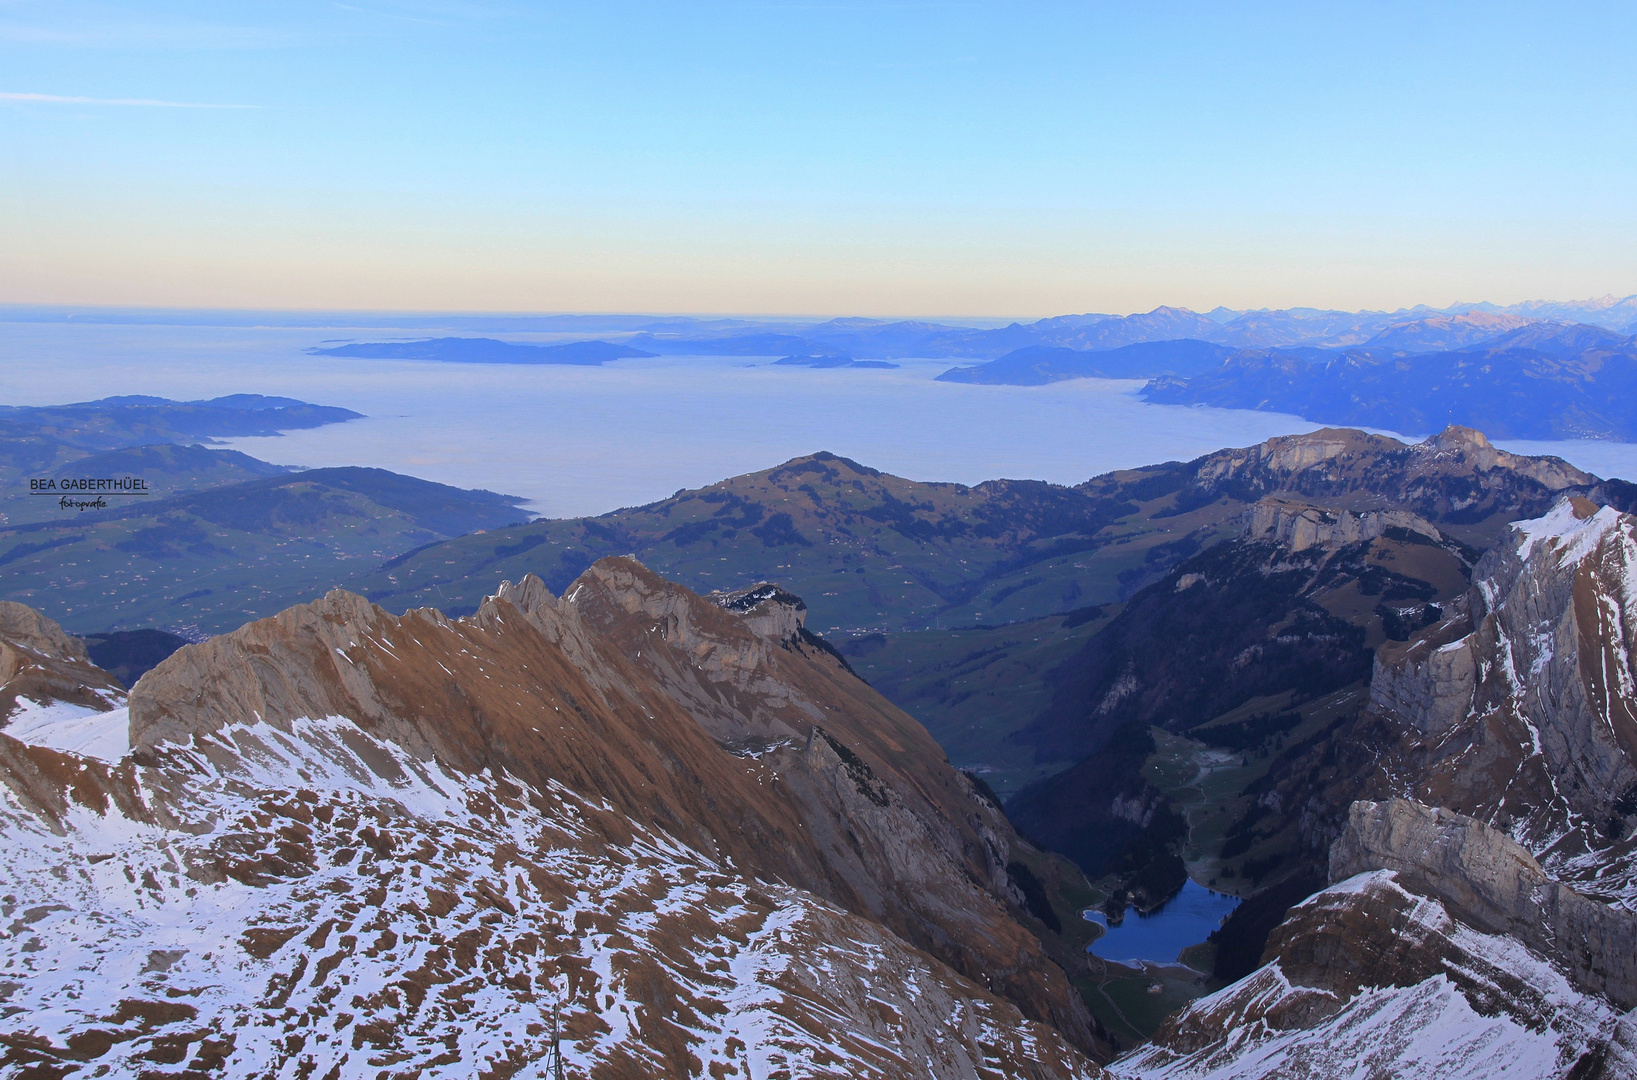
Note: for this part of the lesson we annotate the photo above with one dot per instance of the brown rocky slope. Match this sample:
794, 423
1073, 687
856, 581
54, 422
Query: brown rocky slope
746, 854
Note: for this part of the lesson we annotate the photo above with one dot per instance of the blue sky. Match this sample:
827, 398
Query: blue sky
868, 158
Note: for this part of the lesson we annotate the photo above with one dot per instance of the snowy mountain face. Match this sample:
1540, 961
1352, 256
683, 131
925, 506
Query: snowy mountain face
338, 843
1522, 711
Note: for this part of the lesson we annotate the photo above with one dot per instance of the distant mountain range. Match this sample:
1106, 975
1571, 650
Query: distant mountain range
886, 339
455, 350
1538, 381
1537, 370
1511, 376
1419, 328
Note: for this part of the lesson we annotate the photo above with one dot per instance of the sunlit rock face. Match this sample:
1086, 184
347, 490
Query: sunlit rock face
339, 843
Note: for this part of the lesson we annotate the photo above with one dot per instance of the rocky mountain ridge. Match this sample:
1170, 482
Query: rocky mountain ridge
873, 551
342, 841
1518, 709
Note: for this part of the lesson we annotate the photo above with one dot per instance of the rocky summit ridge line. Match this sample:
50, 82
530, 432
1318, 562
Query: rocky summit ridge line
343, 843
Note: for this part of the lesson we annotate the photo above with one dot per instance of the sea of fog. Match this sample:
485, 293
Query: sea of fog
585, 440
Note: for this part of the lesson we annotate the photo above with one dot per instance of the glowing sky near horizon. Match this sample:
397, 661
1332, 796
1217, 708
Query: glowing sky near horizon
830, 158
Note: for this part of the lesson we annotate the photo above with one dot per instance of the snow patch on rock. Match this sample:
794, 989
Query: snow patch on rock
74, 729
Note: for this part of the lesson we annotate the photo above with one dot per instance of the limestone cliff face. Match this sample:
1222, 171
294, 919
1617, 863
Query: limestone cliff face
1333, 455
1441, 949
587, 791
1299, 527
1521, 710
1493, 934
1456, 472
1490, 882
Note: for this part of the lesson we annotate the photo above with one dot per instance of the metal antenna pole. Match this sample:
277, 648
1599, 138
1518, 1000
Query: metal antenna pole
556, 1043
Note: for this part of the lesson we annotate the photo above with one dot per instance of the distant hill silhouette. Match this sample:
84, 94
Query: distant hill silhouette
457, 350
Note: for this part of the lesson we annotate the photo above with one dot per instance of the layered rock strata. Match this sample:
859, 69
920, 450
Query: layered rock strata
1299, 527
1493, 885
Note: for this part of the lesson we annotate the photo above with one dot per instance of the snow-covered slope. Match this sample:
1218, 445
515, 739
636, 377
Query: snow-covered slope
1487, 1008
321, 903
100, 734
40, 663
349, 845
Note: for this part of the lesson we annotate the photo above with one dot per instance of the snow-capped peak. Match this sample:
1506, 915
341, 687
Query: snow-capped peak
1574, 527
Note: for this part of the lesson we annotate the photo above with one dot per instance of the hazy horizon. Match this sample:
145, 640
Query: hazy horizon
328, 313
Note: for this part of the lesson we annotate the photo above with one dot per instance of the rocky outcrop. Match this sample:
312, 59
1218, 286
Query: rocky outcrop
1455, 478
1428, 681
1299, 527
41, 663
1441, 949
273, 671
773, 613
1369, 978
1469, 448
1488, 881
